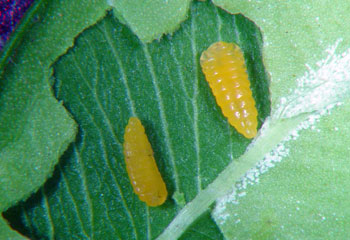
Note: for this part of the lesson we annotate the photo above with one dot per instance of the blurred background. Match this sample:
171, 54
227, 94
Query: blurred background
11, 12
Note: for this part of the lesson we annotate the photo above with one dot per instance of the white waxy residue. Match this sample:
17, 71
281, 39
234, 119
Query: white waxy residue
317, 92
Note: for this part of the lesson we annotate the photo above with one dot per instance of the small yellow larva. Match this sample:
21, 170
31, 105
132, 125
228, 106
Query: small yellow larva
225, 71
141, 166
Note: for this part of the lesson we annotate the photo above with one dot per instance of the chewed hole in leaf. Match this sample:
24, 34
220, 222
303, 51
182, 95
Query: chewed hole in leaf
108, 76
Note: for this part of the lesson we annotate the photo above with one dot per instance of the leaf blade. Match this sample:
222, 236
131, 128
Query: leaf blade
150, 20
304, 51
35, 129
110, 73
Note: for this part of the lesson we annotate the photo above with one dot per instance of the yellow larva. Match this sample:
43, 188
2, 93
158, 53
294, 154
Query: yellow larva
225, 70
141, 166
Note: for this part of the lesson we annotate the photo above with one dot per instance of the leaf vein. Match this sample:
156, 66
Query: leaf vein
107, 162
182, 81
99, 105
73, 200
237, 33
122, 70
177, 63
162, 114
219, 23
113, 135
87, 192
128, 212
27, 220
195, 104
149, 232
47, 205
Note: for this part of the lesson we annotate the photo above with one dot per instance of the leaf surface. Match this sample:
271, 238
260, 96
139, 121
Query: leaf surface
306, 54
151, 19
35, 129
109, 76
8, 233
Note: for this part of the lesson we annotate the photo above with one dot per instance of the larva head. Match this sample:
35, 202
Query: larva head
137, 139
134, 122
216, 52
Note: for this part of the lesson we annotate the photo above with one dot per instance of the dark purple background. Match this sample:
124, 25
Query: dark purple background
11, 11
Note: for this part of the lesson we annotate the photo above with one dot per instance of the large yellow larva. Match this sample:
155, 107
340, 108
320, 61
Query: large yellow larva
141, 166
225, 70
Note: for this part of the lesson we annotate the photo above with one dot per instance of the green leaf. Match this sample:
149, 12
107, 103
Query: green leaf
35, 128
306, 53
17, 34
304, 195
294, 41
202, 229
109, 76
8, 233
151, 19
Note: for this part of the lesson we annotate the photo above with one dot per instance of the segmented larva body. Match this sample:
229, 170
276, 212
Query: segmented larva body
141, 167
225, 70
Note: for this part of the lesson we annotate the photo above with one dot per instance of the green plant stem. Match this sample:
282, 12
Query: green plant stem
275, 132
